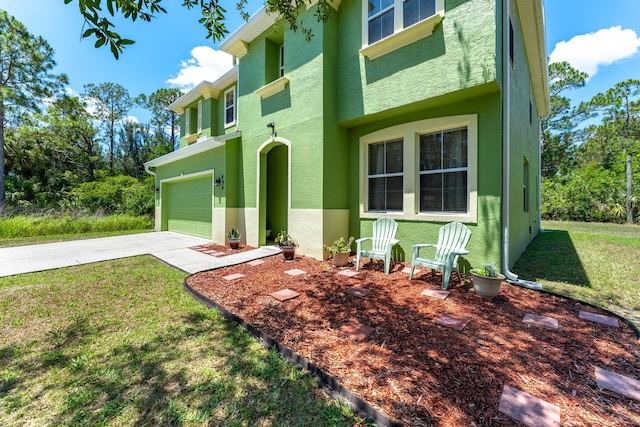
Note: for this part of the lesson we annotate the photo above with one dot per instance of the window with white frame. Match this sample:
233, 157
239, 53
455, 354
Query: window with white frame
281, 68
386, 17
200, 116
444, 170
230, 107
421, 171
385, 176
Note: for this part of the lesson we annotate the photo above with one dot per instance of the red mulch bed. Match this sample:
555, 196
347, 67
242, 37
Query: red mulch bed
421, 373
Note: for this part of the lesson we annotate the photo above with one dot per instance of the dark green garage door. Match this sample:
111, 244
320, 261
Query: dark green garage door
189, 205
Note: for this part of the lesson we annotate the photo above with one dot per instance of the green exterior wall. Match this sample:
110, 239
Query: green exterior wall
335, 96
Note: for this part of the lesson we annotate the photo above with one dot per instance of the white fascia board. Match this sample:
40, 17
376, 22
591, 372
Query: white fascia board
533, 32
250, 30
197, 148
205, 89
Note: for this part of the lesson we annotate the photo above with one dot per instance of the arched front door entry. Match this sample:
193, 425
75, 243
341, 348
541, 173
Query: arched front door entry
274, 188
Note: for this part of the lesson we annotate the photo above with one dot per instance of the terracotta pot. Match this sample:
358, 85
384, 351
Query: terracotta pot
289, 252
341, 259
234, 243
487, 287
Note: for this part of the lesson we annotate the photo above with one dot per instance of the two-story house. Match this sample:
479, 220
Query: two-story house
425, 111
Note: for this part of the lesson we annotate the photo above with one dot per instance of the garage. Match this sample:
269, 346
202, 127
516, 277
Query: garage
188, 206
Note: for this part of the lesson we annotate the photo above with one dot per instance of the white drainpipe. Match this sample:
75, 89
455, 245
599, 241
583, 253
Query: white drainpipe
506, 152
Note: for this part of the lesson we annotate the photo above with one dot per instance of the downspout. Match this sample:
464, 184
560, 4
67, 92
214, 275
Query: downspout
148, 170
506, 151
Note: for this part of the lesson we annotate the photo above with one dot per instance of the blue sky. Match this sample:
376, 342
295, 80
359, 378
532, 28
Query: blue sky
172, 50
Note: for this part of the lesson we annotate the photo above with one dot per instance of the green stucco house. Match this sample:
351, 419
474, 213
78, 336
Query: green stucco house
424, 111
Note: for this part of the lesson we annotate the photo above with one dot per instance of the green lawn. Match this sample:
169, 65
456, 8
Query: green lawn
35, 240
592, 262
122, 343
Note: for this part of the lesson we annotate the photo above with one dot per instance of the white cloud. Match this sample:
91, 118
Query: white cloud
588, 52
205, 64
131, 119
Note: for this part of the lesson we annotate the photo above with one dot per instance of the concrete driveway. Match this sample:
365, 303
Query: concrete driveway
46, 256
171, 248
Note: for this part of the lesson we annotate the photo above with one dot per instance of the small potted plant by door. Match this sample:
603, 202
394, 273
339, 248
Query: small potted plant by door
487, 281
234, 238
287, 245
340, 251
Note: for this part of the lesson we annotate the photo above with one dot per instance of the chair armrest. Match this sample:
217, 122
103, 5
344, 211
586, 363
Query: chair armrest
416, 248
362, 239
456, 253
392, 243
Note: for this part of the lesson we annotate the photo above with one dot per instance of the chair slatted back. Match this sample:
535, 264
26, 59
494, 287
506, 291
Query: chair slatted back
452, 236
384, 230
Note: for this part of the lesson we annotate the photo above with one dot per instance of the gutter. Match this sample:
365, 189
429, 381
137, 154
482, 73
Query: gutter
147, 168
506, 152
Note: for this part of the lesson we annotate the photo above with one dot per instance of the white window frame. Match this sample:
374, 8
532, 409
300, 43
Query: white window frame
235, 110
187, 121
281, 61
410, 134
199, 117
382, 175
401, 36
442, 170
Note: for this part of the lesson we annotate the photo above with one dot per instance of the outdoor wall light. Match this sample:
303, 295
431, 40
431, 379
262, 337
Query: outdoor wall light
272, 126
219, 182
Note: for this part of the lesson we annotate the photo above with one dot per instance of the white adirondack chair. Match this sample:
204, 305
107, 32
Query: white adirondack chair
452, 240
384, 233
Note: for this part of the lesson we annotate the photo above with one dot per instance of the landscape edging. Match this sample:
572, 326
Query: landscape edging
328, 383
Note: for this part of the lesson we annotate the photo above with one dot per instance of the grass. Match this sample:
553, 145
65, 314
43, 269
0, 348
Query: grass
47, 224
23, 241
592, 262
121, 343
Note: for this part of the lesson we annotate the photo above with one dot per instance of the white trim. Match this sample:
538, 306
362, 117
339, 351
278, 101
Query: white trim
192, 150
187, 176
401, 36
235, 104
204, 89
410, 133
257, 24
272, 88
199, 117
333, 3
259, 153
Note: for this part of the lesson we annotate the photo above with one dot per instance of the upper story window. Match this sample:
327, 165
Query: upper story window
385, 176
281, 69
444, 170
200, 116
392, 24
230, 107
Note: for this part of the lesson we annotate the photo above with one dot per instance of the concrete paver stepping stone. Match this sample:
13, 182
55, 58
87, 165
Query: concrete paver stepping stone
541, 321
528, 409
255, 262
435, 293
356, 330
621, 384
599, 318
233, 276
216, 253
358, 292
348, 273
455, 322
407, 270
295, 272
285, 294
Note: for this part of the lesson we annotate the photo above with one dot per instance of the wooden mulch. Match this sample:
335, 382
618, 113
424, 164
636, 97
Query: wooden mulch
221, 250
421, 373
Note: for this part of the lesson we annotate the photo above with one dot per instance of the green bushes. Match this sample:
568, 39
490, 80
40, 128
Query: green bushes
51, 224
116, 195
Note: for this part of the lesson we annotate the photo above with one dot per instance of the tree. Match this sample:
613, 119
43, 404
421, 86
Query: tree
621, 108
112, 103
559, 135
69, 120
162, 119
25, 78
134, 143
100, 27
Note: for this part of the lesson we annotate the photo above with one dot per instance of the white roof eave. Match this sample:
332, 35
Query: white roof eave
192, 150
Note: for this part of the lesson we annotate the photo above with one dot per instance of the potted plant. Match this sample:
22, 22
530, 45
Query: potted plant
287, 244
340, 251
487, 281
234, 238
